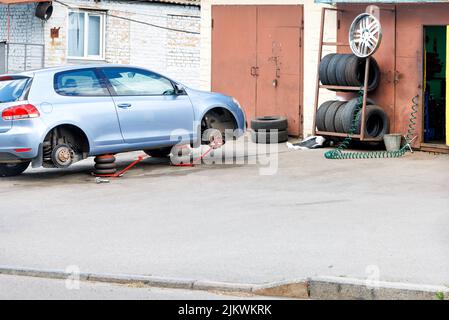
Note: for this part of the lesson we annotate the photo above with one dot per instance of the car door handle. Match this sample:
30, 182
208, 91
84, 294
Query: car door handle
124, 105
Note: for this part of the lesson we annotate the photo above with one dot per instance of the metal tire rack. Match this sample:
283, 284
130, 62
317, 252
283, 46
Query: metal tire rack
319, 86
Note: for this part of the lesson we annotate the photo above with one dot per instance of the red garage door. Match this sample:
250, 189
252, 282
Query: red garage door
257, 58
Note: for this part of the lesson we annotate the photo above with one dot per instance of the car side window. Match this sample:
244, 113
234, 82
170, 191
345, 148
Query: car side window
137, 82
78, 83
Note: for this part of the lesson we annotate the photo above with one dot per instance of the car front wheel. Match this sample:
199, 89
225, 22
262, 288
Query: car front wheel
13, 169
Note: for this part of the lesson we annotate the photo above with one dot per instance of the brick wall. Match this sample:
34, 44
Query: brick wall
174, 54
24, 28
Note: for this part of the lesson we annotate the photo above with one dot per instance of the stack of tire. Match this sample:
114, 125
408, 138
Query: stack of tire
105, 165
339, 116
269, 129
348, 70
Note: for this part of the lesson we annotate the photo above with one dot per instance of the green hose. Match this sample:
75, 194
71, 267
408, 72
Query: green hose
339, 154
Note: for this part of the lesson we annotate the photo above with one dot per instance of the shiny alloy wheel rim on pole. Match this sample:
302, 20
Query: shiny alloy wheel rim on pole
365, 35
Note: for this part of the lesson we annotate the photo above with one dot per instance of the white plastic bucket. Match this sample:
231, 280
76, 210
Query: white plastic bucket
393, 141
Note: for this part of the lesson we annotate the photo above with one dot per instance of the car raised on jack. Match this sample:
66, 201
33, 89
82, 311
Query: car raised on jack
58, 116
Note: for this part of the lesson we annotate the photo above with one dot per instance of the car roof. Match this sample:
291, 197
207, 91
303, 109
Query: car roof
79, 66
30, 73
53, 70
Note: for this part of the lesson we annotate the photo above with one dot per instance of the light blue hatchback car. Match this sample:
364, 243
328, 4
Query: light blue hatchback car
56, 117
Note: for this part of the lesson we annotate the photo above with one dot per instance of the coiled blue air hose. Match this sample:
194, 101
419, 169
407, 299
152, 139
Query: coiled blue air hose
339, 153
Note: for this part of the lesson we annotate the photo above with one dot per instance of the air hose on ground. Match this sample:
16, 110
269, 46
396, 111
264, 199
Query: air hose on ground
339, 153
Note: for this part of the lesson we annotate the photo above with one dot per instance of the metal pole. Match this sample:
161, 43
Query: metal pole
8, 24
7, 57
320, 52
25, 57
365, 95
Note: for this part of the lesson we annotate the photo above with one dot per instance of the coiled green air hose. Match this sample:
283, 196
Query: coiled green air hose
339, 154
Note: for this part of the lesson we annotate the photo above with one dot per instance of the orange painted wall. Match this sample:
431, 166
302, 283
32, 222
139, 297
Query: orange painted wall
400, 56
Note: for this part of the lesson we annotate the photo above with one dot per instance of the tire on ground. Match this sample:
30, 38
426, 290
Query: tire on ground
329, 118
13, 169
321, 115
269, 123
269, 137
376, 122
323, 68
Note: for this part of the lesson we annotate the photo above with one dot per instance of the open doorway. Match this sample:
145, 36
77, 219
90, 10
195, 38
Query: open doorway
435, 60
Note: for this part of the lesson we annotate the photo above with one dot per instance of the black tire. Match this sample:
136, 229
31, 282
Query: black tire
105, 171
332, 69
351, 70
329, 118
269, 123
323, 68
321, 115
340, 70
102, 159
44, 10
374, 75
338, 121
13, 169
376, 122
355, 72
348, 113
159, 153
265, 137
105, 166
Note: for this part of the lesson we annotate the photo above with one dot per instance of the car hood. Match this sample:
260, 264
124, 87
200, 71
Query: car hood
206, 94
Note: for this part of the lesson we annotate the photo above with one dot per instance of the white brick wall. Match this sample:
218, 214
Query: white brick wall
171, 53
312, 18
24, 28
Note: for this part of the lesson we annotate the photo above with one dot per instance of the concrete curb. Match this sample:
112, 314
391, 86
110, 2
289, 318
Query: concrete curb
319, 288
150, 281
338, 288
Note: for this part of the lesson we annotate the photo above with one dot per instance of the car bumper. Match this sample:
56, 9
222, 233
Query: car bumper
20, 143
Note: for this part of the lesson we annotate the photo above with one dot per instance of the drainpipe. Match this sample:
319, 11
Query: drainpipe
8, 28
8, 24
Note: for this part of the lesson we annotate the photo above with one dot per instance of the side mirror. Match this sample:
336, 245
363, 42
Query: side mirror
179, 90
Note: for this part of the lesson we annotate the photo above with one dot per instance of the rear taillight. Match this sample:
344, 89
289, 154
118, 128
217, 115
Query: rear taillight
25, 111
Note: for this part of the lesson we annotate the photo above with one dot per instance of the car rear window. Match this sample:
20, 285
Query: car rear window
12, 89
79, 83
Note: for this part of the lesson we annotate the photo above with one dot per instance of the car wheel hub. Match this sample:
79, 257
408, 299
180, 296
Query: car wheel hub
64, 155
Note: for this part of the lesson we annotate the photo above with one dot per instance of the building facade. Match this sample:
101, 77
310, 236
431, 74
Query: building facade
414, 62
412, 57
285, 55
160, 35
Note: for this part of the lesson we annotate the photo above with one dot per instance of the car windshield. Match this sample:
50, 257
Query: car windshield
12, 90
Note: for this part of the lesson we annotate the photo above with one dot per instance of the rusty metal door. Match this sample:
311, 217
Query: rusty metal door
234, 54
257, 58
279, 62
